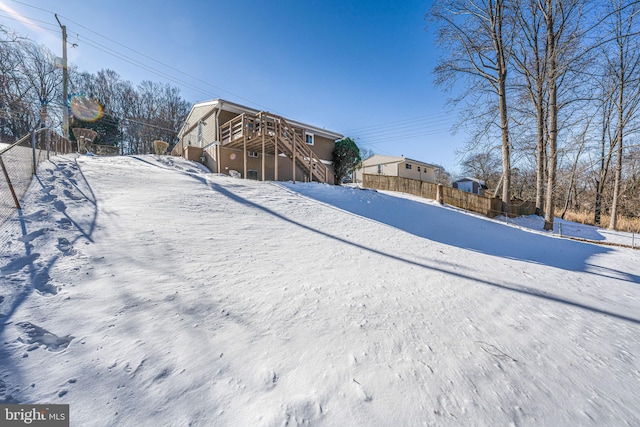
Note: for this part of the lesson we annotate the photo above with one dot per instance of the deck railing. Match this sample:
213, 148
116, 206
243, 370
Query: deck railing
275, 129
233, 129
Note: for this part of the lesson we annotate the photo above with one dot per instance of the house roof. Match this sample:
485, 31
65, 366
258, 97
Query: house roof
206, 108
380, 159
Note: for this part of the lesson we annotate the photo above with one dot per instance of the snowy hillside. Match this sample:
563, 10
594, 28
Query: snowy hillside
143, 291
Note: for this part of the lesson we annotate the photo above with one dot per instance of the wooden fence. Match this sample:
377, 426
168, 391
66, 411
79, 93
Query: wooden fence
490, 207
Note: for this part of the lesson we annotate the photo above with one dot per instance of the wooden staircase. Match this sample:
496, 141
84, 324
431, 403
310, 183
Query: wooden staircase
271, 134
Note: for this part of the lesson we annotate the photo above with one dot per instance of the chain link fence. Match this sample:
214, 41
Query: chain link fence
19, 162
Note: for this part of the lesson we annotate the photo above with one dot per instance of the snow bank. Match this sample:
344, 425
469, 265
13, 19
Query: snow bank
145, 291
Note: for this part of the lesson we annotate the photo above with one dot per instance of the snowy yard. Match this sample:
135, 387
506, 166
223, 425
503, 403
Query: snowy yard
143, 291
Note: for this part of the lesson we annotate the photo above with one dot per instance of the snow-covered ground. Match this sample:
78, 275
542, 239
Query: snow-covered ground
143, 291
562, 228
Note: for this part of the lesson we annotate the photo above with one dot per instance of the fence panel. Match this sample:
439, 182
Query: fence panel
487, 206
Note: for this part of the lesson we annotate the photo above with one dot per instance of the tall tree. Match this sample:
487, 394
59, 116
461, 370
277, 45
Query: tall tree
562, 20
530, 63
606, 146
16, 119
476, 37
625, 64
44, 80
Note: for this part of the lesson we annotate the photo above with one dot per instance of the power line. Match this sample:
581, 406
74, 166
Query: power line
145, 66
377, 133
420, 118
402, 130
128, 59
32, 23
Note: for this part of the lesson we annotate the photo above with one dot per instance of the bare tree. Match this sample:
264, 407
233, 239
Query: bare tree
16, 119
476, 37
530, 63
624, 62
571, 188
44, 81
606, 145
31, 96
484, 166
562, 19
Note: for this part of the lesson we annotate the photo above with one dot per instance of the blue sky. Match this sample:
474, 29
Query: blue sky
361, 68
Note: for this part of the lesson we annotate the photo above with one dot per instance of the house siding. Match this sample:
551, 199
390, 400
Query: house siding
219, 112
323, 147
233, 159
396, 166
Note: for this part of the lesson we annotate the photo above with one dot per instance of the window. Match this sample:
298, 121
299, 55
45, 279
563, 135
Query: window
379, 169
308, 138
418, 168
253, 154
408, 166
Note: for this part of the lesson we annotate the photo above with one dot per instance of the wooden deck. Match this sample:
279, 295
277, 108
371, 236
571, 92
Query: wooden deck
269, 134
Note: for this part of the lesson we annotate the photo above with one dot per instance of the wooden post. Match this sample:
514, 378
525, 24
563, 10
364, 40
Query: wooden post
264, 151
293, 160
244, 152
304, 141
275, 148
439, 195
33, 150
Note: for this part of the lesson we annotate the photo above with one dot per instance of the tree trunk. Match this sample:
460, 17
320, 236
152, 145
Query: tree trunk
541, 158
502, 104
618, 175
506, 155
553, 116
574, 170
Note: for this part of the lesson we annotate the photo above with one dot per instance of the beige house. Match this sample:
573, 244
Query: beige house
240, 141
397, 166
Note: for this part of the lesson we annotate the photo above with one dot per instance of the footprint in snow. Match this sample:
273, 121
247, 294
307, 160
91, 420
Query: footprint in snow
40, 280
48, 198
64, 223
269, 379
4, 397
361, 393
71, 196
65, 247
39, 337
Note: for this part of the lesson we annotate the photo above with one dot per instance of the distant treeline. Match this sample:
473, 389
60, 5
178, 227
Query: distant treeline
124, 115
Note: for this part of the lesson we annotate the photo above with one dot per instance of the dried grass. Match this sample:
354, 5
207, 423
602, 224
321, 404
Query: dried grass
623, 223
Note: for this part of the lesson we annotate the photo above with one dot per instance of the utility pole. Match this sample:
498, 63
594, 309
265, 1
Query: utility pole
65, 80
